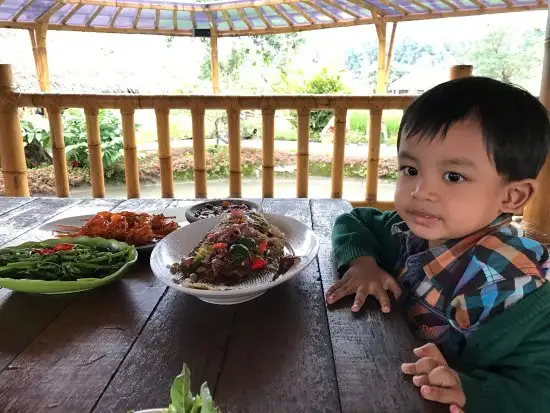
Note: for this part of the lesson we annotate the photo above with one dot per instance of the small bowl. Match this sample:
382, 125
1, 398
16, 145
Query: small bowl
190, 213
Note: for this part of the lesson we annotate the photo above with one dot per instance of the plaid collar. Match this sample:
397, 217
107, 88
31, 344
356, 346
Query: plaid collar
436, 260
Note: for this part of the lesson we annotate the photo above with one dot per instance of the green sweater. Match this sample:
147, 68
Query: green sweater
505, 365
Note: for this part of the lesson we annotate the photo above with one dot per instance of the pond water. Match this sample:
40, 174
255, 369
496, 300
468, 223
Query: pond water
319, 187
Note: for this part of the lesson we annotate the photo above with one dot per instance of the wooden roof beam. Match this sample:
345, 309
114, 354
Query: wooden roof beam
228, 19
71, 13
302, 13
22, 10
422, 6
244, 18
322, 11
281, 13
400, 9
45, 17
136, 18
115, 16
93, 16
157, 19
342, 9
264, 19
369, 7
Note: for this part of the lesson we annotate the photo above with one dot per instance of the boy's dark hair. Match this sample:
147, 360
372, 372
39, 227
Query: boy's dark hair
515, 125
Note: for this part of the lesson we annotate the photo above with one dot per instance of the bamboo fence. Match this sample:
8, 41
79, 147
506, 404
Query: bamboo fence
13, 158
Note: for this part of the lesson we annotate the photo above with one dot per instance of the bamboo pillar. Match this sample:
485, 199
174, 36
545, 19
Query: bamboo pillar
338, 152
40, 53
302, 171
234, 138
58, 152
94, 152
375, 130
458, 71
165, 152
381, 74
268, 155
215, 66
131, 171
390, 53
536, 216
199, 153
14, 166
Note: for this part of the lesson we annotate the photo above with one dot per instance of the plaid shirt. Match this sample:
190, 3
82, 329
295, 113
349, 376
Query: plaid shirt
452, 289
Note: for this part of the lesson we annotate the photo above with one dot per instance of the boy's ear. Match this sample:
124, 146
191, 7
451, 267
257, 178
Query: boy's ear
517, 194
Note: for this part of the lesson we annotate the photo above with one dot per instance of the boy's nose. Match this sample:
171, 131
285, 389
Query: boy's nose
424, 191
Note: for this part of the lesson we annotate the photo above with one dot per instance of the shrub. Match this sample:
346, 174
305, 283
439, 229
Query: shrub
322, 83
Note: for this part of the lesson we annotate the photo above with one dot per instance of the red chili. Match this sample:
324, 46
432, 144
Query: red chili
262, 247
258, 264
219, 246
58, 247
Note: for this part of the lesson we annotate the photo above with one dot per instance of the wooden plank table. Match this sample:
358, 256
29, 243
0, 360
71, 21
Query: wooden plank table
117, 348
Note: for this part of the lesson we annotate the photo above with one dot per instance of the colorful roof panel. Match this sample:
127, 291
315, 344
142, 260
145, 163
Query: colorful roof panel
236, 17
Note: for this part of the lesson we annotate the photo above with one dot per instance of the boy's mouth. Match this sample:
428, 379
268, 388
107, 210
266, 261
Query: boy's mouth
423, 218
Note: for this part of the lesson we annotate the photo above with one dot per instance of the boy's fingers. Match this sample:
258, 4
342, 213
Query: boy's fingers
443, 377
408, 368
391, 284
422, 366
430, 350
334, 287
383, 299
441, 395
360, 298
340, 292
455, 409
420, 381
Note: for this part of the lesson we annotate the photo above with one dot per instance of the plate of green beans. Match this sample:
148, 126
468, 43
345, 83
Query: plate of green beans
58, 266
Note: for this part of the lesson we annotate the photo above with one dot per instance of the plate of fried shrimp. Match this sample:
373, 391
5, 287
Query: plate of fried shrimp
140, 229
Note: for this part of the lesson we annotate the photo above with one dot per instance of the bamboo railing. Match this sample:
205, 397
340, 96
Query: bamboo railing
13, 158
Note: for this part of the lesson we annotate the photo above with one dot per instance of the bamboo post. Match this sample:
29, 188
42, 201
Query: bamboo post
375, 130
131, 171
58, 152
381, 74
302, 171
234, 129
165, 152
40, 53
390, 53
458, 71
12, 153
199, 152
338, 153
268, 153
215, 66
536, 215
94, 152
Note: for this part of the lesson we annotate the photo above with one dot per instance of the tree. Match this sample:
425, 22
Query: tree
321, 83
506, 56
260, 51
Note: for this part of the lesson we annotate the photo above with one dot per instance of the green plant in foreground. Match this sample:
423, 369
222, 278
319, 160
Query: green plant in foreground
183, 400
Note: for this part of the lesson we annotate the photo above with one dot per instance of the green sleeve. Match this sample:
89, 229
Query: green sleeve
512, 390
366, 232
509, 359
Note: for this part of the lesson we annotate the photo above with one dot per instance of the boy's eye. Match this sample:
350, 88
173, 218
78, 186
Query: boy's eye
409, 171
453, 177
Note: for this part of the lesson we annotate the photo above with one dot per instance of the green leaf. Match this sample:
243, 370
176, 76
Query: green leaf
207, 401
180, 392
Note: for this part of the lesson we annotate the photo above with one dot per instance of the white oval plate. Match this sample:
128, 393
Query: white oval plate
299, 238
47, 230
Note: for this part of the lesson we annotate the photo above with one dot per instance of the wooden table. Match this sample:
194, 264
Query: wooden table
118, 348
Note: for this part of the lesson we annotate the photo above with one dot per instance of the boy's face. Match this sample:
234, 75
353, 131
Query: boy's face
448, 188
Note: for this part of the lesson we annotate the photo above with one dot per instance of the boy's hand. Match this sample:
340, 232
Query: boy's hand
437, 381
363, 278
